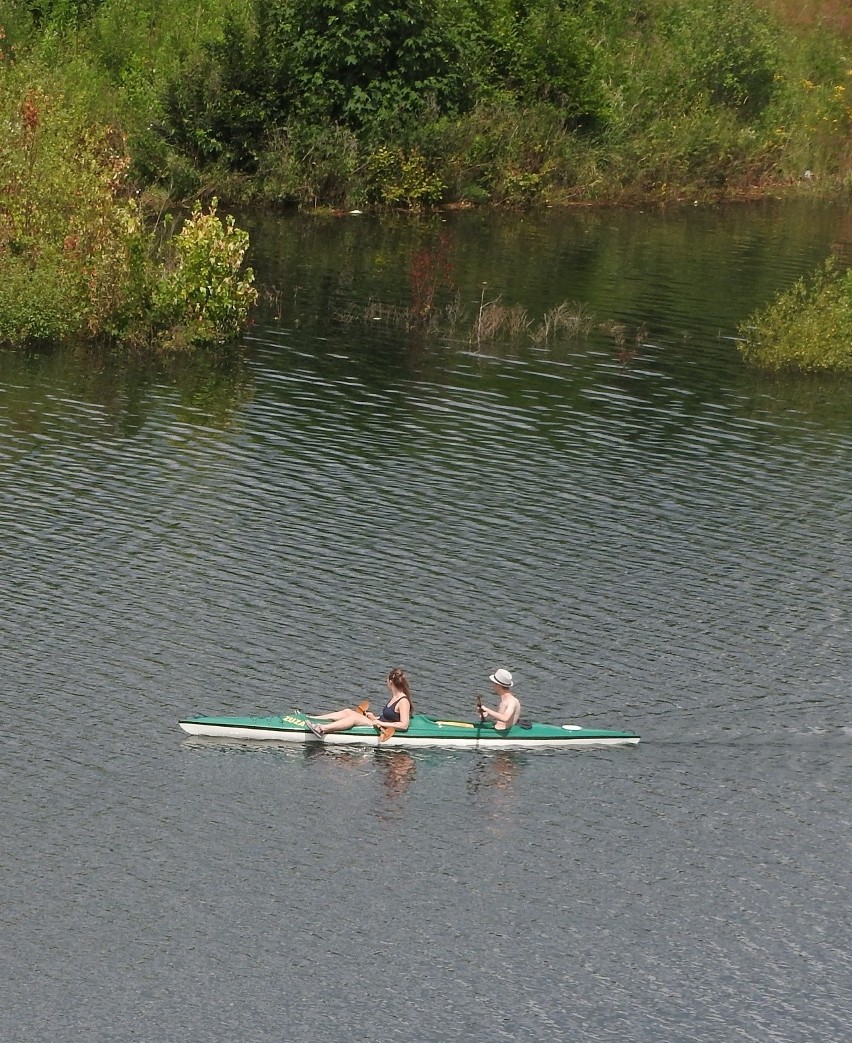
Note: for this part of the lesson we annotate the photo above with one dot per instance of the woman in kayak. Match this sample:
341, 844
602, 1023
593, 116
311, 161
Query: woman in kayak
509, 710
396, 713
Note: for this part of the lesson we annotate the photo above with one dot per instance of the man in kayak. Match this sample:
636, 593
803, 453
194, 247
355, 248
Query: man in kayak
395, 715
509, 710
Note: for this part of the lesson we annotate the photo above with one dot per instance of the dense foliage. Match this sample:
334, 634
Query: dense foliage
77, 262
109, 108
411, 102
201, 296
806, 329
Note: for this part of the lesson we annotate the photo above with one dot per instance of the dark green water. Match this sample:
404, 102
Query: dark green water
646, 534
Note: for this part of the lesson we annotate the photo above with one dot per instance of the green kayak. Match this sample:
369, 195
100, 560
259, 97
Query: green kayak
422, 731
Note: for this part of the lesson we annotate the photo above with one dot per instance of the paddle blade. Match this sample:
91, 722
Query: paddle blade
385, 734
363, 707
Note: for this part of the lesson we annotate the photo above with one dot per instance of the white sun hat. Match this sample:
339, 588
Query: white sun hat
501, 677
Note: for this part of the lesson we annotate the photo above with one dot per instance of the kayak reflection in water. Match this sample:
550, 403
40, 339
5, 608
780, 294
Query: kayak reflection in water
396, 713
509, 710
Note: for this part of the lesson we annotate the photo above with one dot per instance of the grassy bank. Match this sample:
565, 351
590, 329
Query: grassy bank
455, 102
113, 110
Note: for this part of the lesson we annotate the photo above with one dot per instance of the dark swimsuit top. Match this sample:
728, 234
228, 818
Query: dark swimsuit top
390, 712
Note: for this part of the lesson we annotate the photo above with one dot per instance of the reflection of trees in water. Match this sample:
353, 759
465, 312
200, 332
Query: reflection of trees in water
201, 387
842, 244
495, 771
216, 387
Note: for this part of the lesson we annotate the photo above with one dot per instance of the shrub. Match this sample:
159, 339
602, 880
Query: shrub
219, 106
56, 14
34, 301
312, 166
369, 61
504, 153
364, 64
201, 297
807, 328
63, 219
76, 261
398, 178
555, 61
728, 48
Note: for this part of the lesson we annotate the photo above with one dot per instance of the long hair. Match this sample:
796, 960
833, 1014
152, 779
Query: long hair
398, 679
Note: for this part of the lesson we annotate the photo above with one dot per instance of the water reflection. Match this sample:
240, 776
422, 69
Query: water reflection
44, 392
661, 543
496, 772
398, 768
395, 770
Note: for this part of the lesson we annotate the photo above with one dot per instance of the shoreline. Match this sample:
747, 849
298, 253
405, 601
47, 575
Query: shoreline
242, 197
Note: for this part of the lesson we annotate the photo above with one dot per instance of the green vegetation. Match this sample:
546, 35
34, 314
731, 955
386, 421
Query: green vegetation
806, 329
77, 262
200, 297
112, 110
415, 102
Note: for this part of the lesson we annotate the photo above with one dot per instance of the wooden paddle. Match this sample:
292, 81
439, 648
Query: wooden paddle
384, 733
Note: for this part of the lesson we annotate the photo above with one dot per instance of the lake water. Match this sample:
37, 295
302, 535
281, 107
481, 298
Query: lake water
646, 534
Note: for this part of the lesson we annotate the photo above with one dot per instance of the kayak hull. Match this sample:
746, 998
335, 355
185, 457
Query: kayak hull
423, 731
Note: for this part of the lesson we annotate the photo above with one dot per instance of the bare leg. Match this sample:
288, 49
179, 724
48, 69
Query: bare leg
336, 715
343, 719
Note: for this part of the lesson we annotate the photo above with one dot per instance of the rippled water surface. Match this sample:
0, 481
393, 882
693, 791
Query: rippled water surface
647, 535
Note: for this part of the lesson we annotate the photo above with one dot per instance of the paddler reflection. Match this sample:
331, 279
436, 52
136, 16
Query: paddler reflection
398, 768
496, 769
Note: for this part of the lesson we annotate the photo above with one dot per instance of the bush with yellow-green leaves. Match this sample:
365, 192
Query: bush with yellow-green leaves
806, 329
77, 262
